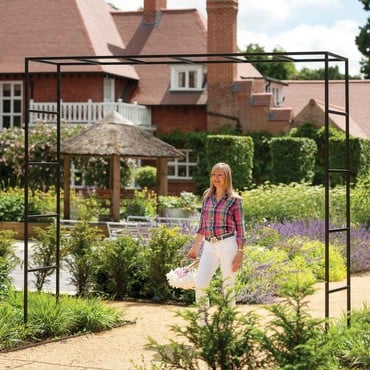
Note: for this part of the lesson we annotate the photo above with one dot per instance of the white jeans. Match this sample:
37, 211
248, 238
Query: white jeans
220, 254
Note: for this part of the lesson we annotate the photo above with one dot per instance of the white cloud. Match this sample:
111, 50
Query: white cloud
338, 39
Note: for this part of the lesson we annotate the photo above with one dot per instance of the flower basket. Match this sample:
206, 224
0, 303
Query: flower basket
184, 276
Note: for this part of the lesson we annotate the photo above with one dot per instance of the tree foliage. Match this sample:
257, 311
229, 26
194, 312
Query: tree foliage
279, 70
363, 42
287, 70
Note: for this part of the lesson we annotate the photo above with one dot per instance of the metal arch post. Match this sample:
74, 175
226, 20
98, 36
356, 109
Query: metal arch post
346, 172
327, 186
27, 164
58, 178
348, 193
26, 184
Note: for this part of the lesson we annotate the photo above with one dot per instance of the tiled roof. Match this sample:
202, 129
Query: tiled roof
180, 31
58, 28
299, 93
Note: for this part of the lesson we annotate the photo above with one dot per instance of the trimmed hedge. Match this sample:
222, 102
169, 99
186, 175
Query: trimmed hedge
237, 151
293, 160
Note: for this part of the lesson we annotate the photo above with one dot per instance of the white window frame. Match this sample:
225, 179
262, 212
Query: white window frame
277, 94
176, 163
109, 89
75, 172
13, 98
186, 70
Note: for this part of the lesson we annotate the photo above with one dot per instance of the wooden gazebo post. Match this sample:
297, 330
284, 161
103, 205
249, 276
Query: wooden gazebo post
162, 173
116, 187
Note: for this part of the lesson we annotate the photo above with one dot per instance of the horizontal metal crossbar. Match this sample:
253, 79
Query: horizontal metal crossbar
339, 112
338, 289
43, 216
43, 111
42, 268
318, 56
338, 229
42, 163
340, 170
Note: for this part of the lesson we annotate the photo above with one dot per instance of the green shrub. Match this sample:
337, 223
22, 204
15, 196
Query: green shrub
11, 206
165, 250
281, 203
310, 254
143, 203
146, 177
350, 346
186, 201
360, 201
227, 340
80, 247
8, 261
221, 338
12, 203
44, 253
314, 252
118, 267
295, 340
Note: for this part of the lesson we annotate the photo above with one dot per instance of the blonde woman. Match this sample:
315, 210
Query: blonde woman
221, 228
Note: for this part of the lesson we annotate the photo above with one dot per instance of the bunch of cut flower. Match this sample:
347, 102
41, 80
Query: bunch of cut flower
184, 276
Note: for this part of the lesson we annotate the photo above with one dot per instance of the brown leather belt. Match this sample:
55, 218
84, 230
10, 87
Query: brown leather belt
216, 239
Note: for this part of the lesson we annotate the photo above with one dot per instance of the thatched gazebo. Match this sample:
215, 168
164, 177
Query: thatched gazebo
116, 137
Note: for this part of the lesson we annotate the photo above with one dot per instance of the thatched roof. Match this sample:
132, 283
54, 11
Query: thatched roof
115, 135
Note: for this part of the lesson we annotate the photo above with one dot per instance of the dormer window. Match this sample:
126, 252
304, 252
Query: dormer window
275, 87
186, 77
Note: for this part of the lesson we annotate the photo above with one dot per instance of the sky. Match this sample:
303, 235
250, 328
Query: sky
293, 25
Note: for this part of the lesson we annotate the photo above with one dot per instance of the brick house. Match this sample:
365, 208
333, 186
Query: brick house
161, 98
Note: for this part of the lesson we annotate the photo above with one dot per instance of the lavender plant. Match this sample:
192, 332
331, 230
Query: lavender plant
314, 229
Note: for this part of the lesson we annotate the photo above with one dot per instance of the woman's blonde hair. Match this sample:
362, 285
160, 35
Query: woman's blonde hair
225, 168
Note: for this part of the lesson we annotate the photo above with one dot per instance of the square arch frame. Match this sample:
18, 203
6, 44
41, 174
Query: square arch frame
59, 62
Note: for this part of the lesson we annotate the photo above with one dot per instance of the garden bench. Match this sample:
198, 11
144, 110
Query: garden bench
134, 229
187, 225
66, 226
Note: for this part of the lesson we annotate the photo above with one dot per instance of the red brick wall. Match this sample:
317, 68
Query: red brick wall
77, 88
186, 119
175, 188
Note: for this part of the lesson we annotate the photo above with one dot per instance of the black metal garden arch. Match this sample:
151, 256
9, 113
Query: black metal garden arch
58, 63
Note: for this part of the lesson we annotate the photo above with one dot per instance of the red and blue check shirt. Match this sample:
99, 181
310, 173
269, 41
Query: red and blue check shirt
225, 216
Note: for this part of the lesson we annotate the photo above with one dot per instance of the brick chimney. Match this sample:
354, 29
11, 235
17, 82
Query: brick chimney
222, 32
222, 38
152, 9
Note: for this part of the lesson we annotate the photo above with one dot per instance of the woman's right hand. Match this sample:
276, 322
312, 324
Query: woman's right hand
193, 252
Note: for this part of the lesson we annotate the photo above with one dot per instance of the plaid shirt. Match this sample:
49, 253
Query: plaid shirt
225, 216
